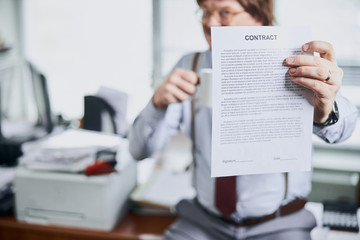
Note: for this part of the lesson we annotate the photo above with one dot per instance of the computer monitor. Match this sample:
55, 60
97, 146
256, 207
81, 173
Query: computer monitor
11, 140
45, 118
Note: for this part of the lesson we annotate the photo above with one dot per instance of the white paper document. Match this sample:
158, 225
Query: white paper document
262, 122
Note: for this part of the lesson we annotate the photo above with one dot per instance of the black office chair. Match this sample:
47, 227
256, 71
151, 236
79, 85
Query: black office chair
95, 109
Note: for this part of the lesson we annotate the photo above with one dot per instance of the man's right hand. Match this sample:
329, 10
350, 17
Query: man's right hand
179, 86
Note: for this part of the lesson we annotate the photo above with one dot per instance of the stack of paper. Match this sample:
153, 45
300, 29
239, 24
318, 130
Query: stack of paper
158, 177
71, 150
159, 192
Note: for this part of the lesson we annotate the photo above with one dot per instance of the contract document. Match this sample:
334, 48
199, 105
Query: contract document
262, 122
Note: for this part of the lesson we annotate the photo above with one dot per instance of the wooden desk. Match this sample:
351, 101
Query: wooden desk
131, 227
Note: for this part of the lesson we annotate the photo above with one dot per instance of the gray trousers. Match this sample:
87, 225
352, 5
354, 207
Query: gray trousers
194, 223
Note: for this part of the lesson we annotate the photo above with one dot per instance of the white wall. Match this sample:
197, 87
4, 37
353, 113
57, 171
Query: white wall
83, 44
14, 87
181, 31
9, 27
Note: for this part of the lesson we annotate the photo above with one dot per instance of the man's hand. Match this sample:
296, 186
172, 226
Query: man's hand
179, 86
320, 74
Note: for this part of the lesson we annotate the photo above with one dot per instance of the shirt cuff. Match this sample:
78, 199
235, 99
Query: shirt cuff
330, 133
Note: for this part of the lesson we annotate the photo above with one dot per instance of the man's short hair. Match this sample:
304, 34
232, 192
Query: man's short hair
261, 10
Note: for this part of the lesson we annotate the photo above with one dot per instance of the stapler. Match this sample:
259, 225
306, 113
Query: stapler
105, 163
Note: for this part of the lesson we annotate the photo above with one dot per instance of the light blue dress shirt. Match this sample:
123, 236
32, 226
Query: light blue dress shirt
257, 195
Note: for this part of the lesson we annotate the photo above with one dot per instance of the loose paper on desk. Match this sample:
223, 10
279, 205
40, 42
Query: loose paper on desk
262, 122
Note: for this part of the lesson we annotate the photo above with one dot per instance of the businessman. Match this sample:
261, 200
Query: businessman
264, 206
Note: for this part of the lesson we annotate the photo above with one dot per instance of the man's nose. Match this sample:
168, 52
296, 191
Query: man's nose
212, 21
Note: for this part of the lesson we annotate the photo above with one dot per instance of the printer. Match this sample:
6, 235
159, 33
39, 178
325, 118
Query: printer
68, 199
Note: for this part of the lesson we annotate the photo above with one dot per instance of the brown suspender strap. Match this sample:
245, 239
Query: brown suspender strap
286, 176
195, 62
194, 67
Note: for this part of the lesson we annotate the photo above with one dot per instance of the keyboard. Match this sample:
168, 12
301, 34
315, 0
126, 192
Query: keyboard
340, 216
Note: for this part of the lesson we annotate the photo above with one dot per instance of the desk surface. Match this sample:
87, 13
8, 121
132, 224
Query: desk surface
133, 226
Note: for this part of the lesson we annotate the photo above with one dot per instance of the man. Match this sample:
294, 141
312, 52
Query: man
266, 206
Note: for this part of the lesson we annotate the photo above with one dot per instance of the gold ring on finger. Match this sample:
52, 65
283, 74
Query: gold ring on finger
328, 78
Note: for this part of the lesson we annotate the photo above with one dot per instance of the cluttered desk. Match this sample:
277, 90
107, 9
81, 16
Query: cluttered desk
51, 187
68, 204
51, 205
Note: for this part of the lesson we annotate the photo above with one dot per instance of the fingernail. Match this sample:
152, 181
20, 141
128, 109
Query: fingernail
290, 60
292, 70
306, 47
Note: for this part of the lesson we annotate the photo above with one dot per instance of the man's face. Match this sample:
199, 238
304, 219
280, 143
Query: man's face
224, 13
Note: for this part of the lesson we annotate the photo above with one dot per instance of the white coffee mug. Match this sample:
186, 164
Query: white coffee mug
205, 87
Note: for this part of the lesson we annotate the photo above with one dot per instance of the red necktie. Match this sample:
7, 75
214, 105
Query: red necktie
225, 199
